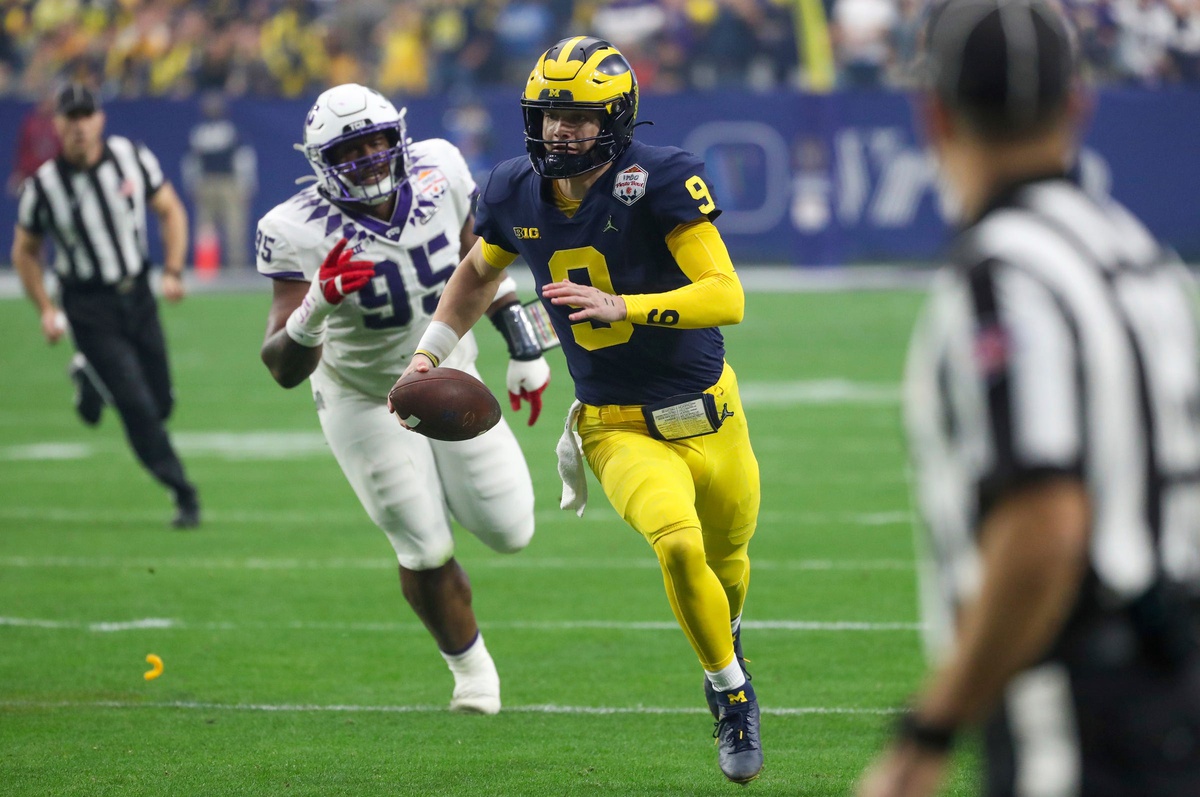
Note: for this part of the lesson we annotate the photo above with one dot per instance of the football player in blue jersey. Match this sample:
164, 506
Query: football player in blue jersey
636, 281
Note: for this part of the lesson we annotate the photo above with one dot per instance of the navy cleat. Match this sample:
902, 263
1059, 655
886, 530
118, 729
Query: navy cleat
187, 511
739, 750
89, 391
710, 694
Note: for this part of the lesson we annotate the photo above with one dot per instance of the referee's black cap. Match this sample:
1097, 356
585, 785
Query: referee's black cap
76, 99
1006, 64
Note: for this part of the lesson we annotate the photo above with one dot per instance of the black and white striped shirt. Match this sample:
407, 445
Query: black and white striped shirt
1061, 340
97, 216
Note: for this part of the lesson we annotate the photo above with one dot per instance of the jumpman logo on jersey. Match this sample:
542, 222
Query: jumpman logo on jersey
726, 412
609, 226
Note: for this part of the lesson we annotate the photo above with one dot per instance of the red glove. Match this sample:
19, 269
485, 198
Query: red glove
340, 276
527, 379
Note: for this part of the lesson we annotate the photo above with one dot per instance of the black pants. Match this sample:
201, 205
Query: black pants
1133, 731
118, 331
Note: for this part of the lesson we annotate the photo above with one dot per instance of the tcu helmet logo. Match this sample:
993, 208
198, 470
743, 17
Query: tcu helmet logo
312, 115
630, 185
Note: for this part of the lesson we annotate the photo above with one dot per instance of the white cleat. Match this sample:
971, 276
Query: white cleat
479, 695
476, 682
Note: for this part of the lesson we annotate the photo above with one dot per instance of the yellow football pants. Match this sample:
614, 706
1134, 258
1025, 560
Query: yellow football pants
696, 503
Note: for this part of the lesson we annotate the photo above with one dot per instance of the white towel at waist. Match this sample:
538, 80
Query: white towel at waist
570, 464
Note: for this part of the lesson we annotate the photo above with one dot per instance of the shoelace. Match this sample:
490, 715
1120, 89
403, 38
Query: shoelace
735, 727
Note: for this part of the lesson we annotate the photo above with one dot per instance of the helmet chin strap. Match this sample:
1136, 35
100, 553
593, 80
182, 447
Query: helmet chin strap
370, 195
378, 200
565, 165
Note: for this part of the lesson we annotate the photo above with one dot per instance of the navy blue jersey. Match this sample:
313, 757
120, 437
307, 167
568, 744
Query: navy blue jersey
616, 241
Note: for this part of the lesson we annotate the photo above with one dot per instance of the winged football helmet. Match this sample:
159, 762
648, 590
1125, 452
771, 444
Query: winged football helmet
580, 73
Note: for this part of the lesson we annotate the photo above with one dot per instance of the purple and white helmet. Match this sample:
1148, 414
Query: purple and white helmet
344, 113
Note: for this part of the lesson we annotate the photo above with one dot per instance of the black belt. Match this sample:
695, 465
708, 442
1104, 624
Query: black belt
1160, 628
122, 286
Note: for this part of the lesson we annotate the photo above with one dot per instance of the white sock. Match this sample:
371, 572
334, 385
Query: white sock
730, 677
735, 625
473, 661
476, 682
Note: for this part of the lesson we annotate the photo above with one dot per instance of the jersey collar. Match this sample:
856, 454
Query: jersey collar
400, 216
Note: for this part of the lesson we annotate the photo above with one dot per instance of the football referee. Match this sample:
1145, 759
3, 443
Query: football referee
1052, 403
91, 202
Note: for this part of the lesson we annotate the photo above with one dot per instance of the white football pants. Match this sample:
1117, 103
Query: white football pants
411, 485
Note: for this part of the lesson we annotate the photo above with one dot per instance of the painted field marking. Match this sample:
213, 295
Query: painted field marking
355, 515
223, 445
818, 391
296, 444
385, 563
169, 624
544, 708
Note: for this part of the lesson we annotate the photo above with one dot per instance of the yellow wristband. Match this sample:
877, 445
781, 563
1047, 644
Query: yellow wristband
428, 354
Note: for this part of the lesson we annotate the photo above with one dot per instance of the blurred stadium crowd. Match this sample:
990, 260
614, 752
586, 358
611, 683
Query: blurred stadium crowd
295, 47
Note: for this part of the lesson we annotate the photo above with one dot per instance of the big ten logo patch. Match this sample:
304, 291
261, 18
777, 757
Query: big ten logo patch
630, 185
526, 233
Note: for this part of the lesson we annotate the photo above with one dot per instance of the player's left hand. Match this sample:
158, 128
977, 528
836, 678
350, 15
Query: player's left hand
172, 286
527, 379
593, 303
904, 770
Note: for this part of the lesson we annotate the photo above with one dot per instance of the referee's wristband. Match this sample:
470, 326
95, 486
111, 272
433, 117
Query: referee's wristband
925, 735
438, 342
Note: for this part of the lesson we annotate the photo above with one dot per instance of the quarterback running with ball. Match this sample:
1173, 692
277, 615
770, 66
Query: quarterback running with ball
358, 262
636, 281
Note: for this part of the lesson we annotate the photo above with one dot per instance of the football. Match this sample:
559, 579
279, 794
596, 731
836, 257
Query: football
445, 404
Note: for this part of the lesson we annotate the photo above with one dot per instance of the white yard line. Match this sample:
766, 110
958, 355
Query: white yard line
275, 517
164, 624
545, 708
817, 391
252, 516
286, 445
307, 443
385, 563
772, 278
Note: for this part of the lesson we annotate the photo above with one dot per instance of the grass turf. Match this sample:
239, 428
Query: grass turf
292, 664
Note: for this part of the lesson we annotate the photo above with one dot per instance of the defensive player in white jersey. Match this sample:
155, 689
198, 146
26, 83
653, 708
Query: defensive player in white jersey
358, 263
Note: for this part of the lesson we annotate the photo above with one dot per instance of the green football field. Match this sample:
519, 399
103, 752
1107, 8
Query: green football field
292, 663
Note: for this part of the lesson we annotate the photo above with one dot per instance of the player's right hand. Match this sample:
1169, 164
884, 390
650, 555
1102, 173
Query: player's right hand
527, 380
341, 276
419, 364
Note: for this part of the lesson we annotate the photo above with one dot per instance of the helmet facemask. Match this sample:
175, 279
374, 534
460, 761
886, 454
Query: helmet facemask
345, 182
345, 113
580, 73
616, 131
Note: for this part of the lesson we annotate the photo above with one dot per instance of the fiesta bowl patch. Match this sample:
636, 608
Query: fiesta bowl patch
431, 183
630, 185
